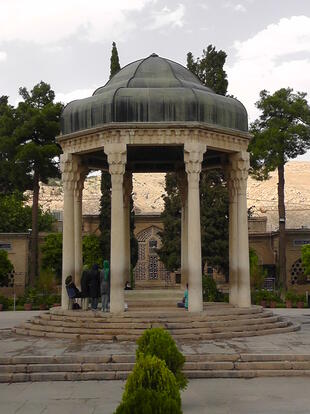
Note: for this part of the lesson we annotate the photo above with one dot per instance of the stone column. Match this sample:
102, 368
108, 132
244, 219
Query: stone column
233, 235
78, 254
239, 171
193, 155
69, 166
183, 188
127, 194
117, 160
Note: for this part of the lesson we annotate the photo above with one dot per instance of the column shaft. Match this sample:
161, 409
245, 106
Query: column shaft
243, 260
233, 245
127, 194
184, 245
78, 254
117, 160
193, 156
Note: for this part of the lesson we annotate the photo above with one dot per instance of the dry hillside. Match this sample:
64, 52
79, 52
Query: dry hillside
148, 190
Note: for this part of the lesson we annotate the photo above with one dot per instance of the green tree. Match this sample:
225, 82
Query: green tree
105, 214
281, 132
91, 251
16, 217
209, 69
257, 273
6, 267
38, 125
214, 220
170, 251
305, 258
12, 174
52, 254
114, 62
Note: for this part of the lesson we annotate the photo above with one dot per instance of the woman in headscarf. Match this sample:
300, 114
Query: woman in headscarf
94, 286
105, 285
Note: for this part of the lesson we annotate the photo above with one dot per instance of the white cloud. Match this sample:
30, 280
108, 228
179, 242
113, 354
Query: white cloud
240, 8
167, 17
268, 61
48, 22
66, 97
3, 56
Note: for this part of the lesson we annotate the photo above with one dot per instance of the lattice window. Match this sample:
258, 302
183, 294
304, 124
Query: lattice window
145, 234
140, 271
141, 251
297, 273
153, 267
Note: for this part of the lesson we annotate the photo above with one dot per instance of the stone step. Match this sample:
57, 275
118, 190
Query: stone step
103, 324
110, 367
43, 331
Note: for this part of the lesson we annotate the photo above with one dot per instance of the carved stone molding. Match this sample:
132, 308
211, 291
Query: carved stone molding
91, 141
238, 169
73, 172
117, 157
193, 156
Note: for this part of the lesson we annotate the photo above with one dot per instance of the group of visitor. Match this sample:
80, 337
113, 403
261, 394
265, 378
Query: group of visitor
95, 283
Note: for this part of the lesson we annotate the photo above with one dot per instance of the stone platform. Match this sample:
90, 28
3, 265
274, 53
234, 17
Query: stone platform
217, 321
50, 358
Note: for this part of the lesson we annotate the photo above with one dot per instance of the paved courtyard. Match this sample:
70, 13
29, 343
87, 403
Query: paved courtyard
206, 396
212, 396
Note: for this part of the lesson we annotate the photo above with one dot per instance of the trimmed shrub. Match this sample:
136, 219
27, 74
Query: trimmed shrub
5, 302
151, 388
5, 268
159, 342
209, 289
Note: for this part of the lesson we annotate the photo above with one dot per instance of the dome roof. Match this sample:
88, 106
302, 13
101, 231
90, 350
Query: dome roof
154, 89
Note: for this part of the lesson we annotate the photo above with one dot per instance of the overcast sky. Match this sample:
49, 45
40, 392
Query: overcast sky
67, 43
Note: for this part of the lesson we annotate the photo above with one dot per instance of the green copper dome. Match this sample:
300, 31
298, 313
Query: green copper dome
153, 90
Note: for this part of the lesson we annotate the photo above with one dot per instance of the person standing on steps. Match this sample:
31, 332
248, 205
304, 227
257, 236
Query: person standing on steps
105, 285
85, 279
94, 286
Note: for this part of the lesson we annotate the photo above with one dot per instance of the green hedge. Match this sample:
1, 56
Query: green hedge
159, 342
151, 388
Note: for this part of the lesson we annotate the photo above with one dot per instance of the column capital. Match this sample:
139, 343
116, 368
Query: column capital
117, 157
237, 172
72, 171
193, 156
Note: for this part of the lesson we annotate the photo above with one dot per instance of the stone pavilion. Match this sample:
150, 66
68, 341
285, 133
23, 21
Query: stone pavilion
156, 116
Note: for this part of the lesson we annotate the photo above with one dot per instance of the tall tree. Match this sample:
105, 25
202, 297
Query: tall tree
281, 132
213, 191
210, 69
114, 65
38, 125
13, 176
170, 251
105, 215
214, 220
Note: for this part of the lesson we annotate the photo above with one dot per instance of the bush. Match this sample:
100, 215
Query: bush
209, 289
145, 401
6, 267
150, 388
91, 250
159, 342
5, 302
292, 296
46, 282
52, 253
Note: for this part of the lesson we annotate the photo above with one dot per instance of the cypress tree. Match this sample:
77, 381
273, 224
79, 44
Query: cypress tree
114, 65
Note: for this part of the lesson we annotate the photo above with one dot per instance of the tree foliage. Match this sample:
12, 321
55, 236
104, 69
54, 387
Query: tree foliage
52, 253
257, 274
159, 342
91, 251
151, 388
209, 69
170, 251
6, 267
16, 217
214, 220
305, 258
281, 132
114, 63
105, 215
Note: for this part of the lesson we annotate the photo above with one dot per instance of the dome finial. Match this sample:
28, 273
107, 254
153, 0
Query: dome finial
154, 55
